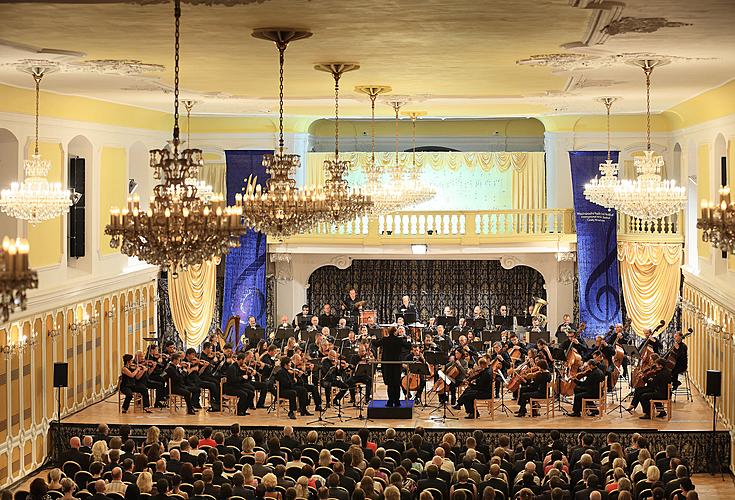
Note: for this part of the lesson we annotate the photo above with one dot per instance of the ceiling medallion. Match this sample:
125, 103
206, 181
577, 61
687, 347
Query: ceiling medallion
35, 199
601, 190
344, 203
649, 197
180, 228
385, 197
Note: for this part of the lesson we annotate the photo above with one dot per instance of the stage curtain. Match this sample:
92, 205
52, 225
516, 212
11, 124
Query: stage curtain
431, 284
214, 175
192, 298
529, 168
650, 274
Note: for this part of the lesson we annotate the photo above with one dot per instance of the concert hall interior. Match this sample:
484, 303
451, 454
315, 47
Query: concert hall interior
440, 250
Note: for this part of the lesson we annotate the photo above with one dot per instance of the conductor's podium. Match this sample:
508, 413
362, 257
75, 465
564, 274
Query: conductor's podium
379, 409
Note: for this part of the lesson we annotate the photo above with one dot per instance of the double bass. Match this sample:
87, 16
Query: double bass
619, 355
637, 378
574, 363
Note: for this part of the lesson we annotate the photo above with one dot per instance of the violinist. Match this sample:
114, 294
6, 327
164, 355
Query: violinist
194, 376
500, 356
459, 359
534, 386
236, 385
334, 374
253, 383
480, 387
208, 376
679, 355
177, 381
156, 377
130, 382
362, 357
657, 387
296, 395
169, 348
415, 356
588, 385
268, 361
302, 381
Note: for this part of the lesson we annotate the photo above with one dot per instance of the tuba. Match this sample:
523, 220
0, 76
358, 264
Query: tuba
536, 313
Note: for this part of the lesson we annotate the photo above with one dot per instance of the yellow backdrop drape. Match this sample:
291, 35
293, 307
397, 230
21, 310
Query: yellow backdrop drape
192, 297
214, 174
529, 168
650, 277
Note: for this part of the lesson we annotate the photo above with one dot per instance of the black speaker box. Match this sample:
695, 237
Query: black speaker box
61, 374
714, 381
76, 230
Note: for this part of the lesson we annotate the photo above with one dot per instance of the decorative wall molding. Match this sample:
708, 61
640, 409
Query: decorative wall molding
341, 261
640, 25
509, 261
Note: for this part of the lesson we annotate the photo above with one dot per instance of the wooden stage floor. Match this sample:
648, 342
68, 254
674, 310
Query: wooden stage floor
694, 415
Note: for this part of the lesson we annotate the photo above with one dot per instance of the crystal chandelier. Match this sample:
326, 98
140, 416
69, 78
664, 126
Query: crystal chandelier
179, 228
601, 190
385, 197
415, 189
648, 197
15, 276
35, 199
344, 203
718, 222
281, 209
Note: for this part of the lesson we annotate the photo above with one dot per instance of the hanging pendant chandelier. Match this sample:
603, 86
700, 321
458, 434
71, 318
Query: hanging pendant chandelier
15, 276
344, 203
416, 189
385, 197
179, 228
204, 190
601, 190
35, 199
649, 197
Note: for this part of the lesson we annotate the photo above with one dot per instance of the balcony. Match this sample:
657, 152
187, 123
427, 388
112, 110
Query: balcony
470, 228
664, 230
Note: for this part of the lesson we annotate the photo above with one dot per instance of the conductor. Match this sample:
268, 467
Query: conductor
392, 346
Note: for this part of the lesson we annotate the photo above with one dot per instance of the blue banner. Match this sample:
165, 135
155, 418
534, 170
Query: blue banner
597, 258
244, 293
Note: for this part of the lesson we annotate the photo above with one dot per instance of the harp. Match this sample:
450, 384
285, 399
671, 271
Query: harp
232, 331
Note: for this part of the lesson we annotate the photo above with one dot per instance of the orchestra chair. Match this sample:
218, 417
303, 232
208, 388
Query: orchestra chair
599, 403
136, 402
665, 405
227, 403
175, 401
279, 400
489, 404
206, 397
547, 402
684, 389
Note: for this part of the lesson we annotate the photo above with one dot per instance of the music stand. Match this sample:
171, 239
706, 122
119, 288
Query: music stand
362, 370
254, 335
448, 322
444, 345
455, 335
303, 323
340, 333
282, 334
408, 317
375, 332
478, 346
477, 324
503, 407
534, 337
490, 336
444, 401
435, 359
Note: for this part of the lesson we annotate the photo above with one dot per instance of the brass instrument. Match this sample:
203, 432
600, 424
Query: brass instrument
536, 312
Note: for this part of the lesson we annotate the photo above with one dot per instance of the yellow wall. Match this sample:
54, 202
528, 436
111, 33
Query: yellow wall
520, 127
113, 189
703, 193
93, 353
46, 238
710, 105
598, 123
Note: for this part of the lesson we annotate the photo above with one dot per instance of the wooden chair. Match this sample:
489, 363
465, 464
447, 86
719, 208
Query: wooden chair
489, 404
206, 397
599, 403
547, 402
227, 403
684, 389
665, 404
279, 400
175, 401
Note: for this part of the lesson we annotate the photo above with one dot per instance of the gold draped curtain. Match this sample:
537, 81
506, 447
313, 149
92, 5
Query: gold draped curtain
529, 168
192, 298
650, 277
214, 174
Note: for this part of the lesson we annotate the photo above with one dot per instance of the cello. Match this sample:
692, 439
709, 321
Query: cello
646, 355
619, 355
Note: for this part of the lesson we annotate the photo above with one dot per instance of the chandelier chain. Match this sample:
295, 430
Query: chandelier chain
177, 46
37, 75
373, 96
281, 61
608, 105
413, 123
648, 70
336, 75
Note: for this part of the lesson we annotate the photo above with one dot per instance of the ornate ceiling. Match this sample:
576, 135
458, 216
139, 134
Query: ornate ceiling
463, 58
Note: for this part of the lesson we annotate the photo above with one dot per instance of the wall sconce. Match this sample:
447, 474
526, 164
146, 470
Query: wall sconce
136, 305
86, 321
54, 332
111, 313
22, 345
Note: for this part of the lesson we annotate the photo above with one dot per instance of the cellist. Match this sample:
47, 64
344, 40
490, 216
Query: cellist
618, 336
416, 357
534, 387
573, 340
501, 355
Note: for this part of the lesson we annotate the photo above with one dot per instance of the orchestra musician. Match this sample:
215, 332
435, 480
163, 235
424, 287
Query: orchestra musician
480, 387
302, 380
130, 382
334, 373
350, 306
477, 322
651, 341
350, 344
252, 324
407, 310
619, 336
588, 385
656, 386
193, 378
463, 344
459, 358
415, 356
253, 383
236, 385
177, 380
442, 341
534, 385
501, 355
679, 354
429, 344
268, 361
503, 321
296, 395
313, 325
303, 317
283, 325
462, 328
431, 326
392, 346
208, 377
565, 327
515, 347
527, 319
536, 326
363, 356
600, 355
328, 318
156, 378
543, 352
572, 340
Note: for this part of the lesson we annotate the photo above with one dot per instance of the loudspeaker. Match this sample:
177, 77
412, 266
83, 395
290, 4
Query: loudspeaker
76, 230
714, 381
61, 374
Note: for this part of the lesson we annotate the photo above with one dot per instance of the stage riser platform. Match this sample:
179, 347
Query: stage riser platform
378, 409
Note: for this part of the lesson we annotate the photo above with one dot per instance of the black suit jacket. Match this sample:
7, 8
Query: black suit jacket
585, 494
434, 483
290, 443
74, 455
393, 347
338, 445
392, 444
235, 441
